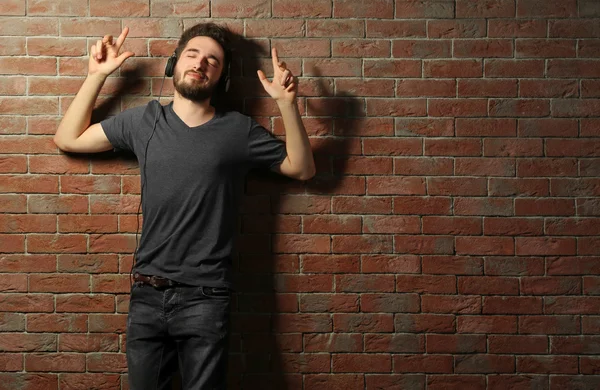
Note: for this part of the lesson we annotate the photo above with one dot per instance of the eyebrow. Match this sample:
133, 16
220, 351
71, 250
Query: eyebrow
198, 51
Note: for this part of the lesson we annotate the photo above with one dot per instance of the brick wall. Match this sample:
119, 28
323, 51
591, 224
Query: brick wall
449, 241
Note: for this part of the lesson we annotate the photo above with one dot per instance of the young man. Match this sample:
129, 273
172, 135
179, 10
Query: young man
193, 159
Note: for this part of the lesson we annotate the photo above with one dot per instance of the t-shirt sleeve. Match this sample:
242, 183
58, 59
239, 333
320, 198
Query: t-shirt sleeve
120, 128
264, 149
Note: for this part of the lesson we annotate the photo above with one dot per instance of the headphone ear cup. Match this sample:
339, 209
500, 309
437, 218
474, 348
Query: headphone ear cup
170, 68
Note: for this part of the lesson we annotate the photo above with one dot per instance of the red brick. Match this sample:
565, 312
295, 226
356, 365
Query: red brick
361, 363
453, 147
485, 9
550, 8
329, 303
547, 364
55, 362
430, 127
424, 244
120, 9
363, 323
384, 263
360, 205
27, 263
519, 107
392, 146
423, 166
26, 303
396, 29
426, 87
10, 223
28, 105
12, 7
589, 48
362, 48
303, 323
483, 206
516, 28
396, 107
549, 246
56, 243
394, 343
12, 125
425, 284
590, 88
13, 164
486, 324
544, 207
395, 186
491, 246
82, 303
406, 48
503, 226
490, 127
512, 147
424, 9
334, 28
56, 47
457, 107
420, 323
179, 8
389, 303
422, 206
457, 186
514, 68
514, 266
518, 187
75, 381
487, 88
377, 9
473, 28
60, 204
364, 283
488, 285
451, 304
547, 167
361, 244
453, 68
106, 362
489, 48
302, 8
58, 323
578, 68
512, 305
451, 225
392, 68
361, 87
334, 382
456, 343
56, 8
551, 127
341, 67
566, 381
13, 26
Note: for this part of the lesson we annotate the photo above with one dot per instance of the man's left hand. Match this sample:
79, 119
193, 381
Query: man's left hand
284, 87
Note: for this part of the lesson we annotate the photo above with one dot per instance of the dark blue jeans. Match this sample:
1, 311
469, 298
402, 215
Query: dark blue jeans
177, 326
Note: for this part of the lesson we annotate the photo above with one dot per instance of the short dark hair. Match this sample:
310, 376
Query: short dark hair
220, 34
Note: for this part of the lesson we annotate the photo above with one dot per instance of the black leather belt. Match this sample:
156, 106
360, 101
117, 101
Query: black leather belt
156, 281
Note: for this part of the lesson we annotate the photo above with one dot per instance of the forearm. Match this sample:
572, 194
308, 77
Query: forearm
78, 116
298, 148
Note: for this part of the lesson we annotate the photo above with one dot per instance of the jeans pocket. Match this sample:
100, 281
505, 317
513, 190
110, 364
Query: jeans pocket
215, 292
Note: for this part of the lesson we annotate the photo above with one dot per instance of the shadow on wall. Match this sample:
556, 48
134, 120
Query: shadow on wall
270, 312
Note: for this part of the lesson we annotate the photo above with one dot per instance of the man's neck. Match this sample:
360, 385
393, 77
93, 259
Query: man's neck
193, 113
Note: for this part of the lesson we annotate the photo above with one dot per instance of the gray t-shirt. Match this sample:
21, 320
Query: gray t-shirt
190, 187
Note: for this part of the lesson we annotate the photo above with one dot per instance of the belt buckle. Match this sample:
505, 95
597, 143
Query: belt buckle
154, 281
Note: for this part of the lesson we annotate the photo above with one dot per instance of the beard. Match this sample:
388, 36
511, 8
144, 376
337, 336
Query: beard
192, 89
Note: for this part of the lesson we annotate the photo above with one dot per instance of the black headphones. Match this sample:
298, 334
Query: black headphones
224, 81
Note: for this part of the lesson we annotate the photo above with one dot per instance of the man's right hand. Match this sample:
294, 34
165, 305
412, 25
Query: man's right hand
104, 55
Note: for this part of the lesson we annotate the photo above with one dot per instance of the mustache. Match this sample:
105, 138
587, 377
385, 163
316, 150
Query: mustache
202, 74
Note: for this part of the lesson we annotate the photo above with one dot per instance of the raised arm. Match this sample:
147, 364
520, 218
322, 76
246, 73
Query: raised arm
299, 163
74, 133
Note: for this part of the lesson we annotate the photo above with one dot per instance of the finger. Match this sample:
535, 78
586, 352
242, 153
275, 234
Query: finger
93, 51
263, 78
290, 87
284, 77
121, 38
107, 39
124, 56
275, 58
99, 49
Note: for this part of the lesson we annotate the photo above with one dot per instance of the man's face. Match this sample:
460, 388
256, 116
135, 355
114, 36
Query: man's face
198, 69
